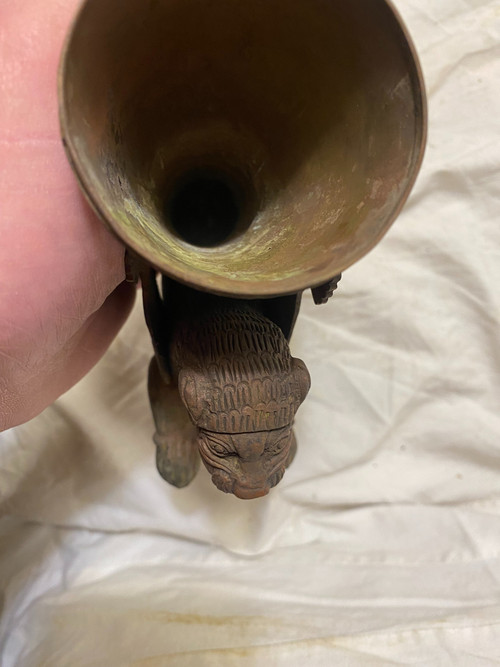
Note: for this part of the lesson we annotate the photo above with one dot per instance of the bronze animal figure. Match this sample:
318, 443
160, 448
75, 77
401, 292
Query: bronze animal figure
223, 387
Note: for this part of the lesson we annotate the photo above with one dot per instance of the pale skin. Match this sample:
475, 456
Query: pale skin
62, 295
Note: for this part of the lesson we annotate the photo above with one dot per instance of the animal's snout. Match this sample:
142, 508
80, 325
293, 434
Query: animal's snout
251, 451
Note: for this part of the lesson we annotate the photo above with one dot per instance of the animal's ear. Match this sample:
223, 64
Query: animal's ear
191, 390
302, 377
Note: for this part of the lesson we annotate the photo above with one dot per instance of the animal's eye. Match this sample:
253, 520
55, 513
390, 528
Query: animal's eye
220, 450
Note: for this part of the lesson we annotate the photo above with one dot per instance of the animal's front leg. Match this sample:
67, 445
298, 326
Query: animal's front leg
176, 438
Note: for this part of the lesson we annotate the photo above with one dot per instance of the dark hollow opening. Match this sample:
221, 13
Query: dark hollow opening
204, 211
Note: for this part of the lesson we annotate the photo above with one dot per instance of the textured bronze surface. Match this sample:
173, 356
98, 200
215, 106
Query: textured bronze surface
248, 150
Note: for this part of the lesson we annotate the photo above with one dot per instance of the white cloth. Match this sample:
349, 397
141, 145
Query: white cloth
382, 543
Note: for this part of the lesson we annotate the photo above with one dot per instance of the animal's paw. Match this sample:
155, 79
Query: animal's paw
177, 460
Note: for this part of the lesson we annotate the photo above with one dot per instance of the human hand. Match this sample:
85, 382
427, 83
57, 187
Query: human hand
62, 295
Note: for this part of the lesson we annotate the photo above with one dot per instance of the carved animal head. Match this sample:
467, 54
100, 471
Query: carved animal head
245, 429
247, 464
242, 388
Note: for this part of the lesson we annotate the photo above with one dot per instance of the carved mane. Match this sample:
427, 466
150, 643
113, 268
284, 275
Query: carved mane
236, 373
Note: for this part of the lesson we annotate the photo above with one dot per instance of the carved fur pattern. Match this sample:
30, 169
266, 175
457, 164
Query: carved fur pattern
236, 373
